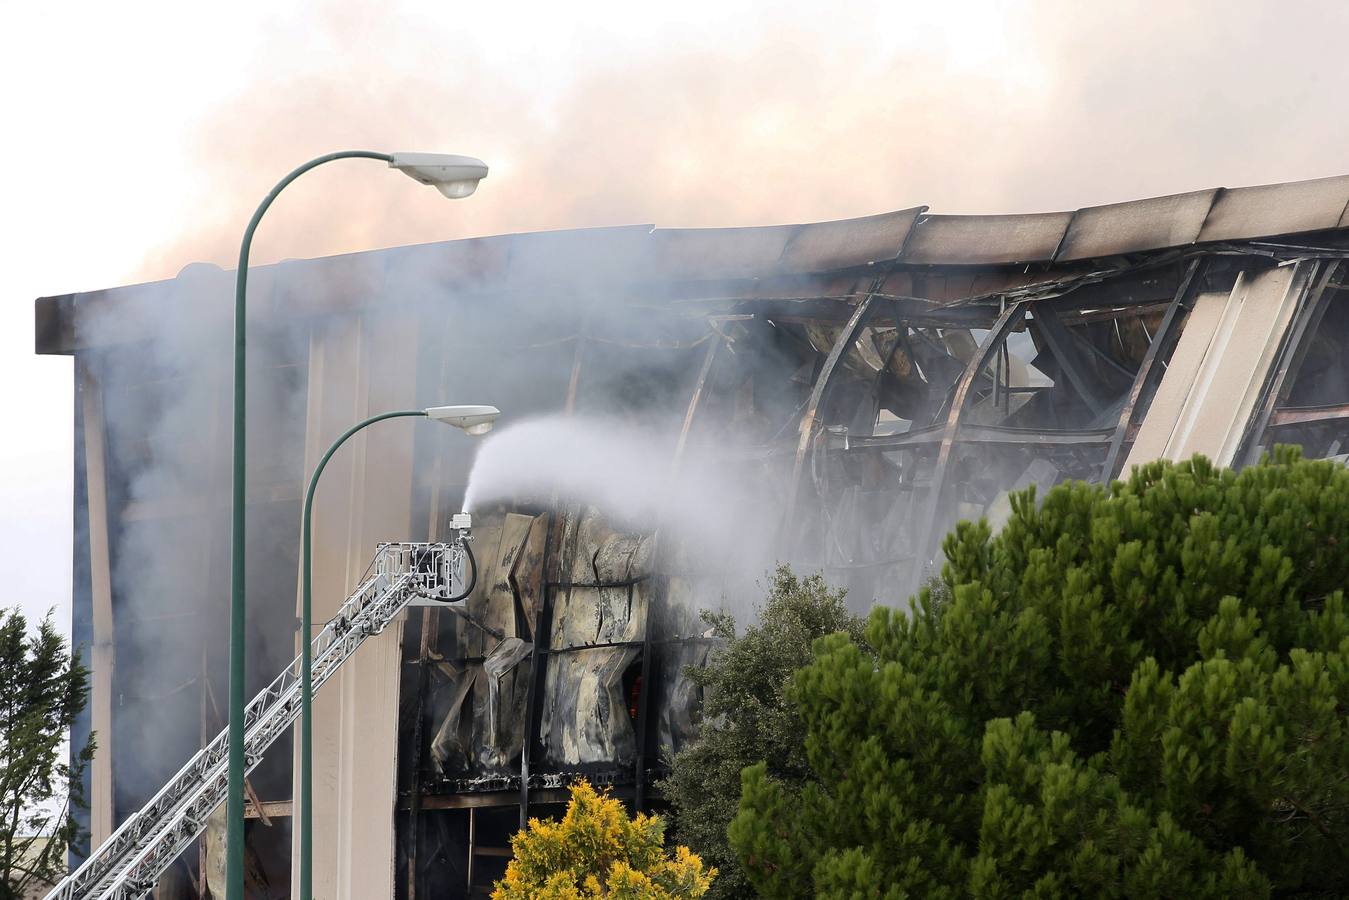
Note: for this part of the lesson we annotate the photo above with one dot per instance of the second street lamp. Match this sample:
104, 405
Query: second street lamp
453, 176
475, 420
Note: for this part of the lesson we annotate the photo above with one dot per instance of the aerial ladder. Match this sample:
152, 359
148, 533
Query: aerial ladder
128, 864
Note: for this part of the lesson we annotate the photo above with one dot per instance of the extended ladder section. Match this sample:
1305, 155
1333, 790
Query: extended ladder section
129, 863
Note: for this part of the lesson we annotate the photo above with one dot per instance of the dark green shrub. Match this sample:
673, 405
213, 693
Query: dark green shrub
1137, 690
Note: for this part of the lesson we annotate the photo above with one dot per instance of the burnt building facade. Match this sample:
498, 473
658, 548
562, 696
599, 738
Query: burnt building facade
871, 381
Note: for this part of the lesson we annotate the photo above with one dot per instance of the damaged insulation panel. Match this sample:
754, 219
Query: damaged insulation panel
864, 383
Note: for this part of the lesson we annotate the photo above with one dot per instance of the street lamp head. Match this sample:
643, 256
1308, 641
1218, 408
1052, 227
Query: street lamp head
454, 176
474, 420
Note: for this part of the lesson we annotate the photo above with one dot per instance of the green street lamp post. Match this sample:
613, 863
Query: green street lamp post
453, 176
475, 420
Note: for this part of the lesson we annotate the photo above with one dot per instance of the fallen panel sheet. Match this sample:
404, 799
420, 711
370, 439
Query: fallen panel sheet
1218, 390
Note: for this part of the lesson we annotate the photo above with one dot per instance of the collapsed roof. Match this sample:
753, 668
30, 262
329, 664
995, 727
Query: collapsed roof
777, 255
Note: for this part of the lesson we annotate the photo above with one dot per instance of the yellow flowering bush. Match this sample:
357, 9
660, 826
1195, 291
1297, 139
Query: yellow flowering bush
598, 851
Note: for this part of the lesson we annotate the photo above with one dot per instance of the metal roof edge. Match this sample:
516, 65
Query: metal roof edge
905, 237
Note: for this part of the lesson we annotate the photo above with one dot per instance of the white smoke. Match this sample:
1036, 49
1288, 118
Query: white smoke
633, 474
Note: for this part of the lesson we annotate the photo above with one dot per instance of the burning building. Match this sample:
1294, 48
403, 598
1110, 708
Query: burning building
849, 389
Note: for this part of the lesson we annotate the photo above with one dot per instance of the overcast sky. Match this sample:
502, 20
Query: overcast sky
139, 136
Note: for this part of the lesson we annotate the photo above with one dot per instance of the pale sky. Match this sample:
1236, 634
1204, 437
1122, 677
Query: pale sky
141, 134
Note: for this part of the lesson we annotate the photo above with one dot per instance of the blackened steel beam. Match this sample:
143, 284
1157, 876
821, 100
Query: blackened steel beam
552, 557
979, 434
1100, 354
699, 389
1001, 434
503, 799
643, 705
1150, 370
1110, 313
915, 437
916, 313
810, 419
472, 848
1311, 308
1308, 415
1010, 317
430, 622
1070, 362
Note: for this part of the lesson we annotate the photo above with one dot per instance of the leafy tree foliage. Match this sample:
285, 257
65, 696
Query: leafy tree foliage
597, 851
746, 716
1138, 690
42, 688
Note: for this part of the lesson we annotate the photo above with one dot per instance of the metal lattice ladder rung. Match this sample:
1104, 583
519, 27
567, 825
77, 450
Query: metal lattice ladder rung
129, 864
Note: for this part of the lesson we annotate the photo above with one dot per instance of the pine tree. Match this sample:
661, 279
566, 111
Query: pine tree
1134, 690
598, 851
746, 716
42, 689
